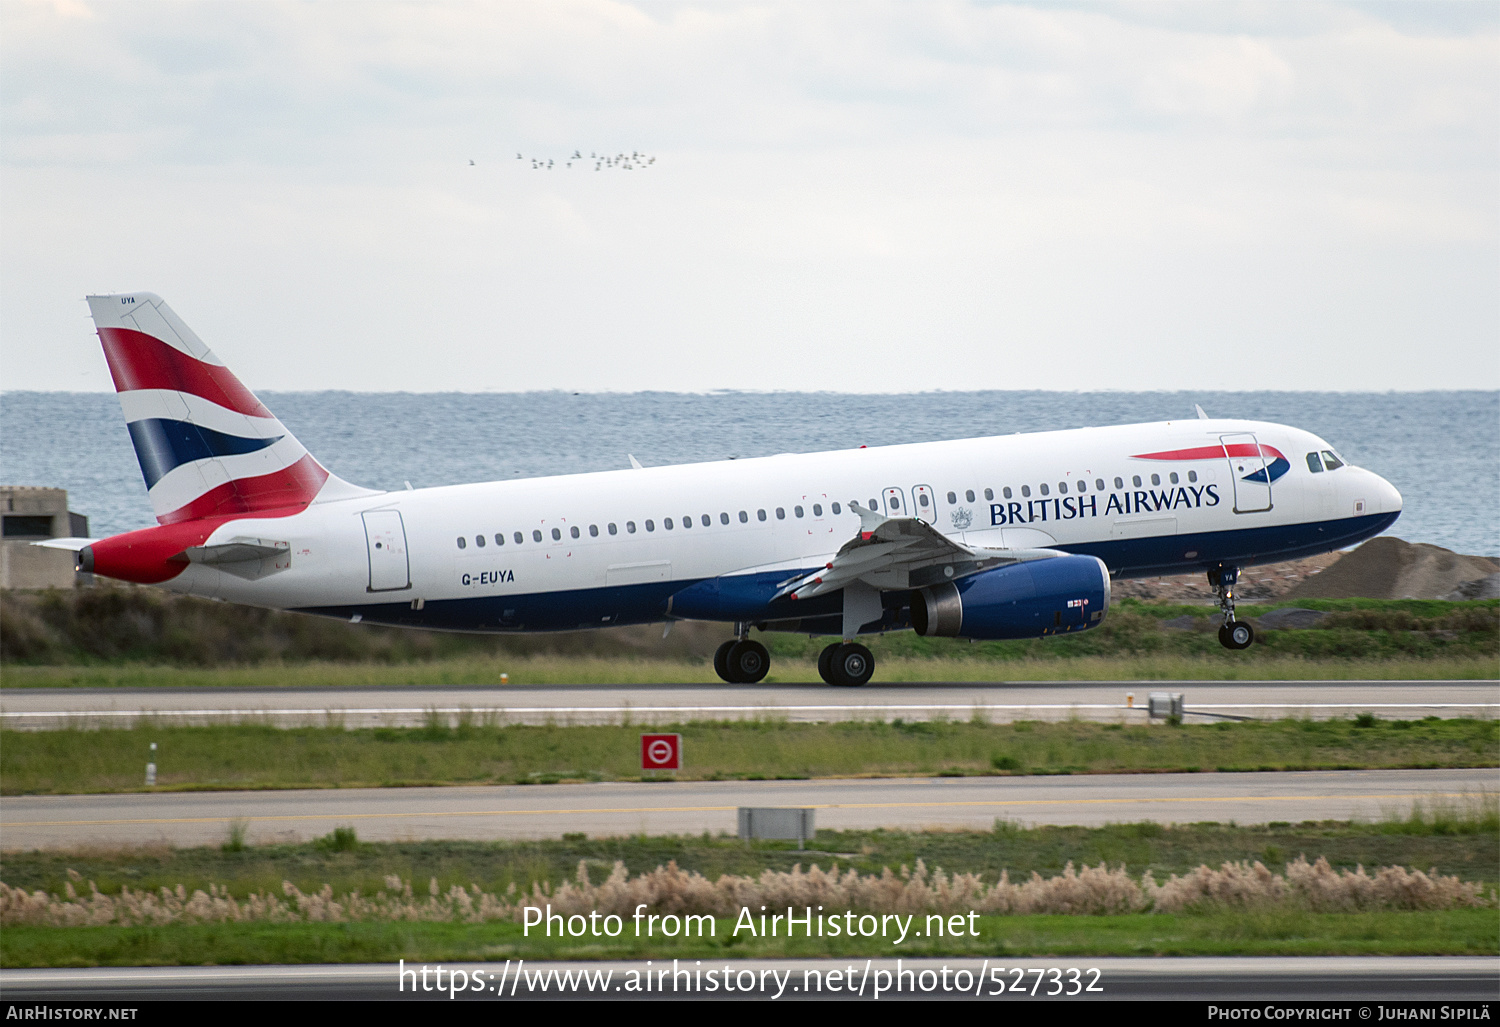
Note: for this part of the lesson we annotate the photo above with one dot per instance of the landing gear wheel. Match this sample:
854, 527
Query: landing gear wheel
851, 664
748, 661
825, 663
721, 660
1239, 635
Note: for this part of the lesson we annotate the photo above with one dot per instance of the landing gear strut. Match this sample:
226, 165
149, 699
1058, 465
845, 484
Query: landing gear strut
846, 663
1233, 634
740, 661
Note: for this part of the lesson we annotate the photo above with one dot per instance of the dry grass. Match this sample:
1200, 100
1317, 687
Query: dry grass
1307, 887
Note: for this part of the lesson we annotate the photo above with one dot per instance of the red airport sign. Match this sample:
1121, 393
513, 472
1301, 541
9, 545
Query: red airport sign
661, 752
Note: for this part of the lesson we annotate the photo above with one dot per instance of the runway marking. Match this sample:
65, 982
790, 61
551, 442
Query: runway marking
720, 809
620, 710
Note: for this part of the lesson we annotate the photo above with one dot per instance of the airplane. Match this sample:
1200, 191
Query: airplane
1016, 536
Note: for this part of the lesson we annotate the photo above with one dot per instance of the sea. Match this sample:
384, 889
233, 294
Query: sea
1441, 449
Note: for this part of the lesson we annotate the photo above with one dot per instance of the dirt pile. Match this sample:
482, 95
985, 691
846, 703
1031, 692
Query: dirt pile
1388, 568
1271, 581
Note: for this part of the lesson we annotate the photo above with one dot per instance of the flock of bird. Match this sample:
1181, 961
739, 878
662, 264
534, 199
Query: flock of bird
632, 161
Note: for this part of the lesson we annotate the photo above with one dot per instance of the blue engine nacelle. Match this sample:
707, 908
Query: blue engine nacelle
1023, 600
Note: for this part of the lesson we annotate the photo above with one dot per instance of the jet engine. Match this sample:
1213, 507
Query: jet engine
1022, 600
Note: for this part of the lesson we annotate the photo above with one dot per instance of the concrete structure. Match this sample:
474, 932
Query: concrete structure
29, 514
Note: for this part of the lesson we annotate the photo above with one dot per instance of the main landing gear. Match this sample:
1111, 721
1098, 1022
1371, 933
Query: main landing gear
846, 663
740, 661
1233, 634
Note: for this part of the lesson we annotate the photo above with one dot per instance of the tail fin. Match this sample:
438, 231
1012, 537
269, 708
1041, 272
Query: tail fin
206, 445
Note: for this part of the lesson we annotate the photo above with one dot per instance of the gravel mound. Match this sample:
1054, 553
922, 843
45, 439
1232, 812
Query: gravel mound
1388, 568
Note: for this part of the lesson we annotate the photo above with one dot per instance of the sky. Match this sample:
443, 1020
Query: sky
850, 197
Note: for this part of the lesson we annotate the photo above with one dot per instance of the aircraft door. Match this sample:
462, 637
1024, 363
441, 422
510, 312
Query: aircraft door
925, 503
895, 503
1248, 471
385, 541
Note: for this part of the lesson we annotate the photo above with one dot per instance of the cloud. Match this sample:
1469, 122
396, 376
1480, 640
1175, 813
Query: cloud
874, 196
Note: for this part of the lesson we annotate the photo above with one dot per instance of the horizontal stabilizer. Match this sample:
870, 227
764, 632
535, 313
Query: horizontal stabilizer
237, 550
71, 544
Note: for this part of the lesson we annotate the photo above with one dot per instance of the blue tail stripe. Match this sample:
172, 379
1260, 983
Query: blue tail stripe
162, 445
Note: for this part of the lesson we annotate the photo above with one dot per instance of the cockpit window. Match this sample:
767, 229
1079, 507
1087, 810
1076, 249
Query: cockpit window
1332, 461
1314, 464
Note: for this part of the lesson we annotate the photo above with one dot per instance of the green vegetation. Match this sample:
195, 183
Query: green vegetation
474, 752
115, 635
1279, 933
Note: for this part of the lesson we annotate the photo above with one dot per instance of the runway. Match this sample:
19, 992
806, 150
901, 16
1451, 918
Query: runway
1362, 982
692, 807
1110, 701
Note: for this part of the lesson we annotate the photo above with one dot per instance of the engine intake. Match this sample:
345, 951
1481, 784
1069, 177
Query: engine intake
1023, 600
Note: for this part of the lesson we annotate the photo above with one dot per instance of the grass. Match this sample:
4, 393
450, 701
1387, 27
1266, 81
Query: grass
1461, 838
1457, 932
115, 635
259, 756
563, 670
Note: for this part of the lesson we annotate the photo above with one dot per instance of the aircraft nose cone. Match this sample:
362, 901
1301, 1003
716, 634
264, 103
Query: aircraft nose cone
1390, 499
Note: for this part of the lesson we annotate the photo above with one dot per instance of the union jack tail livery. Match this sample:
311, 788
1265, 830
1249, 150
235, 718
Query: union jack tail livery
207, 447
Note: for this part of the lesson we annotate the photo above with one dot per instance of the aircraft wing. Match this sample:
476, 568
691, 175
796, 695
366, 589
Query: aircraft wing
899, 553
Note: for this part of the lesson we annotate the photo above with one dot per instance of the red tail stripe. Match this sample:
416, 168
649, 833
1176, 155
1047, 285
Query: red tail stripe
141, 361
1212, 452
291, 487
153, 555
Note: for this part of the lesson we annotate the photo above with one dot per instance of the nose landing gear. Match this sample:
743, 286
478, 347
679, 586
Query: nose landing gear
1233, 634
740, 661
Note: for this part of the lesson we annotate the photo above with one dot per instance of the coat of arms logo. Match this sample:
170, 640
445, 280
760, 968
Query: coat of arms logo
961, 518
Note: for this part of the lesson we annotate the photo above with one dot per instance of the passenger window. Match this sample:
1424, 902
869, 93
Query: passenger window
1136, 479
1333, 462
1314, 464
780, 514
536, 534
556, 534
462, 542
745, 517
593, 531
723, 518
953, 498
1099, 484
707, 520
1172, 477
666, 522
895, 502
1044, 489
519, 538
612, 529
1156, 479
1120, 484
1083, 485
969, 495
1025, 491
1192, 476
836, 510
479, 541
650, 525
687, 522
797, 510
874, 505
817, 509
1062, 488
989, 494
922, 498
573, 531
760, 515
1006, 492
499, 538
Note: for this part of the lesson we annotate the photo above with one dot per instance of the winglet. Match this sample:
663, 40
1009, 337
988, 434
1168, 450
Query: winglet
634, 462
869, 520
1201, 415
